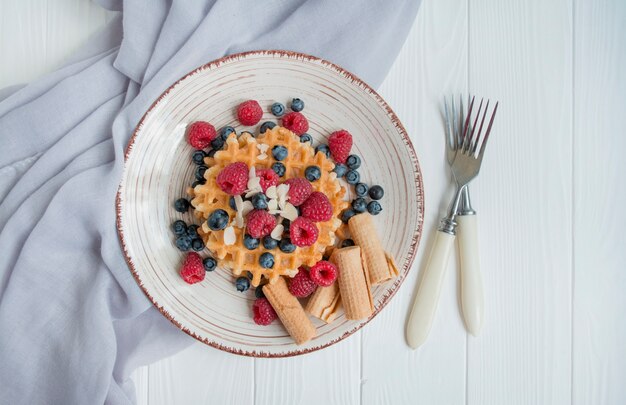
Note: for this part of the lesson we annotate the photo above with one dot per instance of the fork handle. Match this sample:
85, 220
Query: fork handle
428, 292
472, 300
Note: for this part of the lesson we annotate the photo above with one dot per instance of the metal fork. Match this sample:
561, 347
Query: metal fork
468, 155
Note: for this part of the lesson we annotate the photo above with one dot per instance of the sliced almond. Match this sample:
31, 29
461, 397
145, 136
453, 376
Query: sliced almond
271, 192
229, 236
290, 212
277, 232
247, 207
272, 204
262, 147
262, 156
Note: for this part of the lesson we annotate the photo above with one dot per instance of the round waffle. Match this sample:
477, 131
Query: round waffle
208, 197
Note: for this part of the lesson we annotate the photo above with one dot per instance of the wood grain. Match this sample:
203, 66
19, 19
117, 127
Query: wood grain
432, 62
521, 54
599, 332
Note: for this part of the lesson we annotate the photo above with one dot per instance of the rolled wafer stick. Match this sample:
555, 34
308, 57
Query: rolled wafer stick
325, 303
289, 310
354, 287
364, 235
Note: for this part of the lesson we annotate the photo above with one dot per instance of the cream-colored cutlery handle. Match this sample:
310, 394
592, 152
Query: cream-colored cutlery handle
472, 300
428, 292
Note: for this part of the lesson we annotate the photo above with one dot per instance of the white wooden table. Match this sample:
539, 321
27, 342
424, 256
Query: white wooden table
551, 201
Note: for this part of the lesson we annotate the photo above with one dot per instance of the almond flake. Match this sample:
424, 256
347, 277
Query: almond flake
247, 207
290, 212
272, 204
271, 192
229, 236
262, 147
277, 232
262, 156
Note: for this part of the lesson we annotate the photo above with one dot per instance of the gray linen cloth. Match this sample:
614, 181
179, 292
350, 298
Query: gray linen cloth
73, 322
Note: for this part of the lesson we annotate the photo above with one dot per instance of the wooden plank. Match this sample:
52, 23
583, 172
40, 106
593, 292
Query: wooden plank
521, 54
599, 200
432, 63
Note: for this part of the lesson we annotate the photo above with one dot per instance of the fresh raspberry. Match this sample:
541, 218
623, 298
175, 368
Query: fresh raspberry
260, 223
200, 134
303, 232
268, 178
317, 207
296, 123
192, 270
340, 143
264, 314
249, 112
323, 273
299, 190
233, 179
301, 285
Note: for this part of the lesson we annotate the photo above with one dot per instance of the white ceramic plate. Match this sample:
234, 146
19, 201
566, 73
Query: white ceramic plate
159, 169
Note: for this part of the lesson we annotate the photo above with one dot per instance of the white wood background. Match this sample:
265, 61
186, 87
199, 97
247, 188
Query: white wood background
551, 201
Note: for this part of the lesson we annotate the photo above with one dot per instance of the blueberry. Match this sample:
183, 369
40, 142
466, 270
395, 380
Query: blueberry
197, 244
346, 215
250, 243
374, 208
209, 264
181, 205
198, 157
305, 138
377, 192
324, 149
297, 105
224, 132
312, 173
217, 143
278, 109
249, 275
258, 292
359, 205
242, 284
279, 152
259, 201
286, 246
353, 162
212, 153
179, 227
286, 224
267, 125
279, 169
347, 242
231, 203
266, 260
361, 189
192, 231
340, 169
183, 243
195, 183
269, 243
353, 177
218, 220
200, 172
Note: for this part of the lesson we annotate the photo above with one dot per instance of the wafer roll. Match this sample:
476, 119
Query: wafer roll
325, 303
354, 286
374, 257
289, 311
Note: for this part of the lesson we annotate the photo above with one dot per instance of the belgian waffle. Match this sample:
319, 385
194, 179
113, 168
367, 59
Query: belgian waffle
208, 197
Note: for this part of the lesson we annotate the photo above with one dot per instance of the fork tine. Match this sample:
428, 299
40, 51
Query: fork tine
471, 142
466, 127
448, 123
493, 115
480, 130
459, 123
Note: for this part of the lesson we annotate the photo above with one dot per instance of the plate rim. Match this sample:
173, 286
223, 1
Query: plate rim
415, 239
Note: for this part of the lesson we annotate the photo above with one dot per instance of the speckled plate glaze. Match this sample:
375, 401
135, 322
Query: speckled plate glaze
158, 170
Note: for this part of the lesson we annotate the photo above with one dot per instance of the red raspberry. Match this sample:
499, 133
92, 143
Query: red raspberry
296, 123
301, 285
299, 190
268, 177
264, 314
317, 207
192, 270
303, 232
340, 143
249, 112
233, 179
260, 223
200, 134
323, 273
